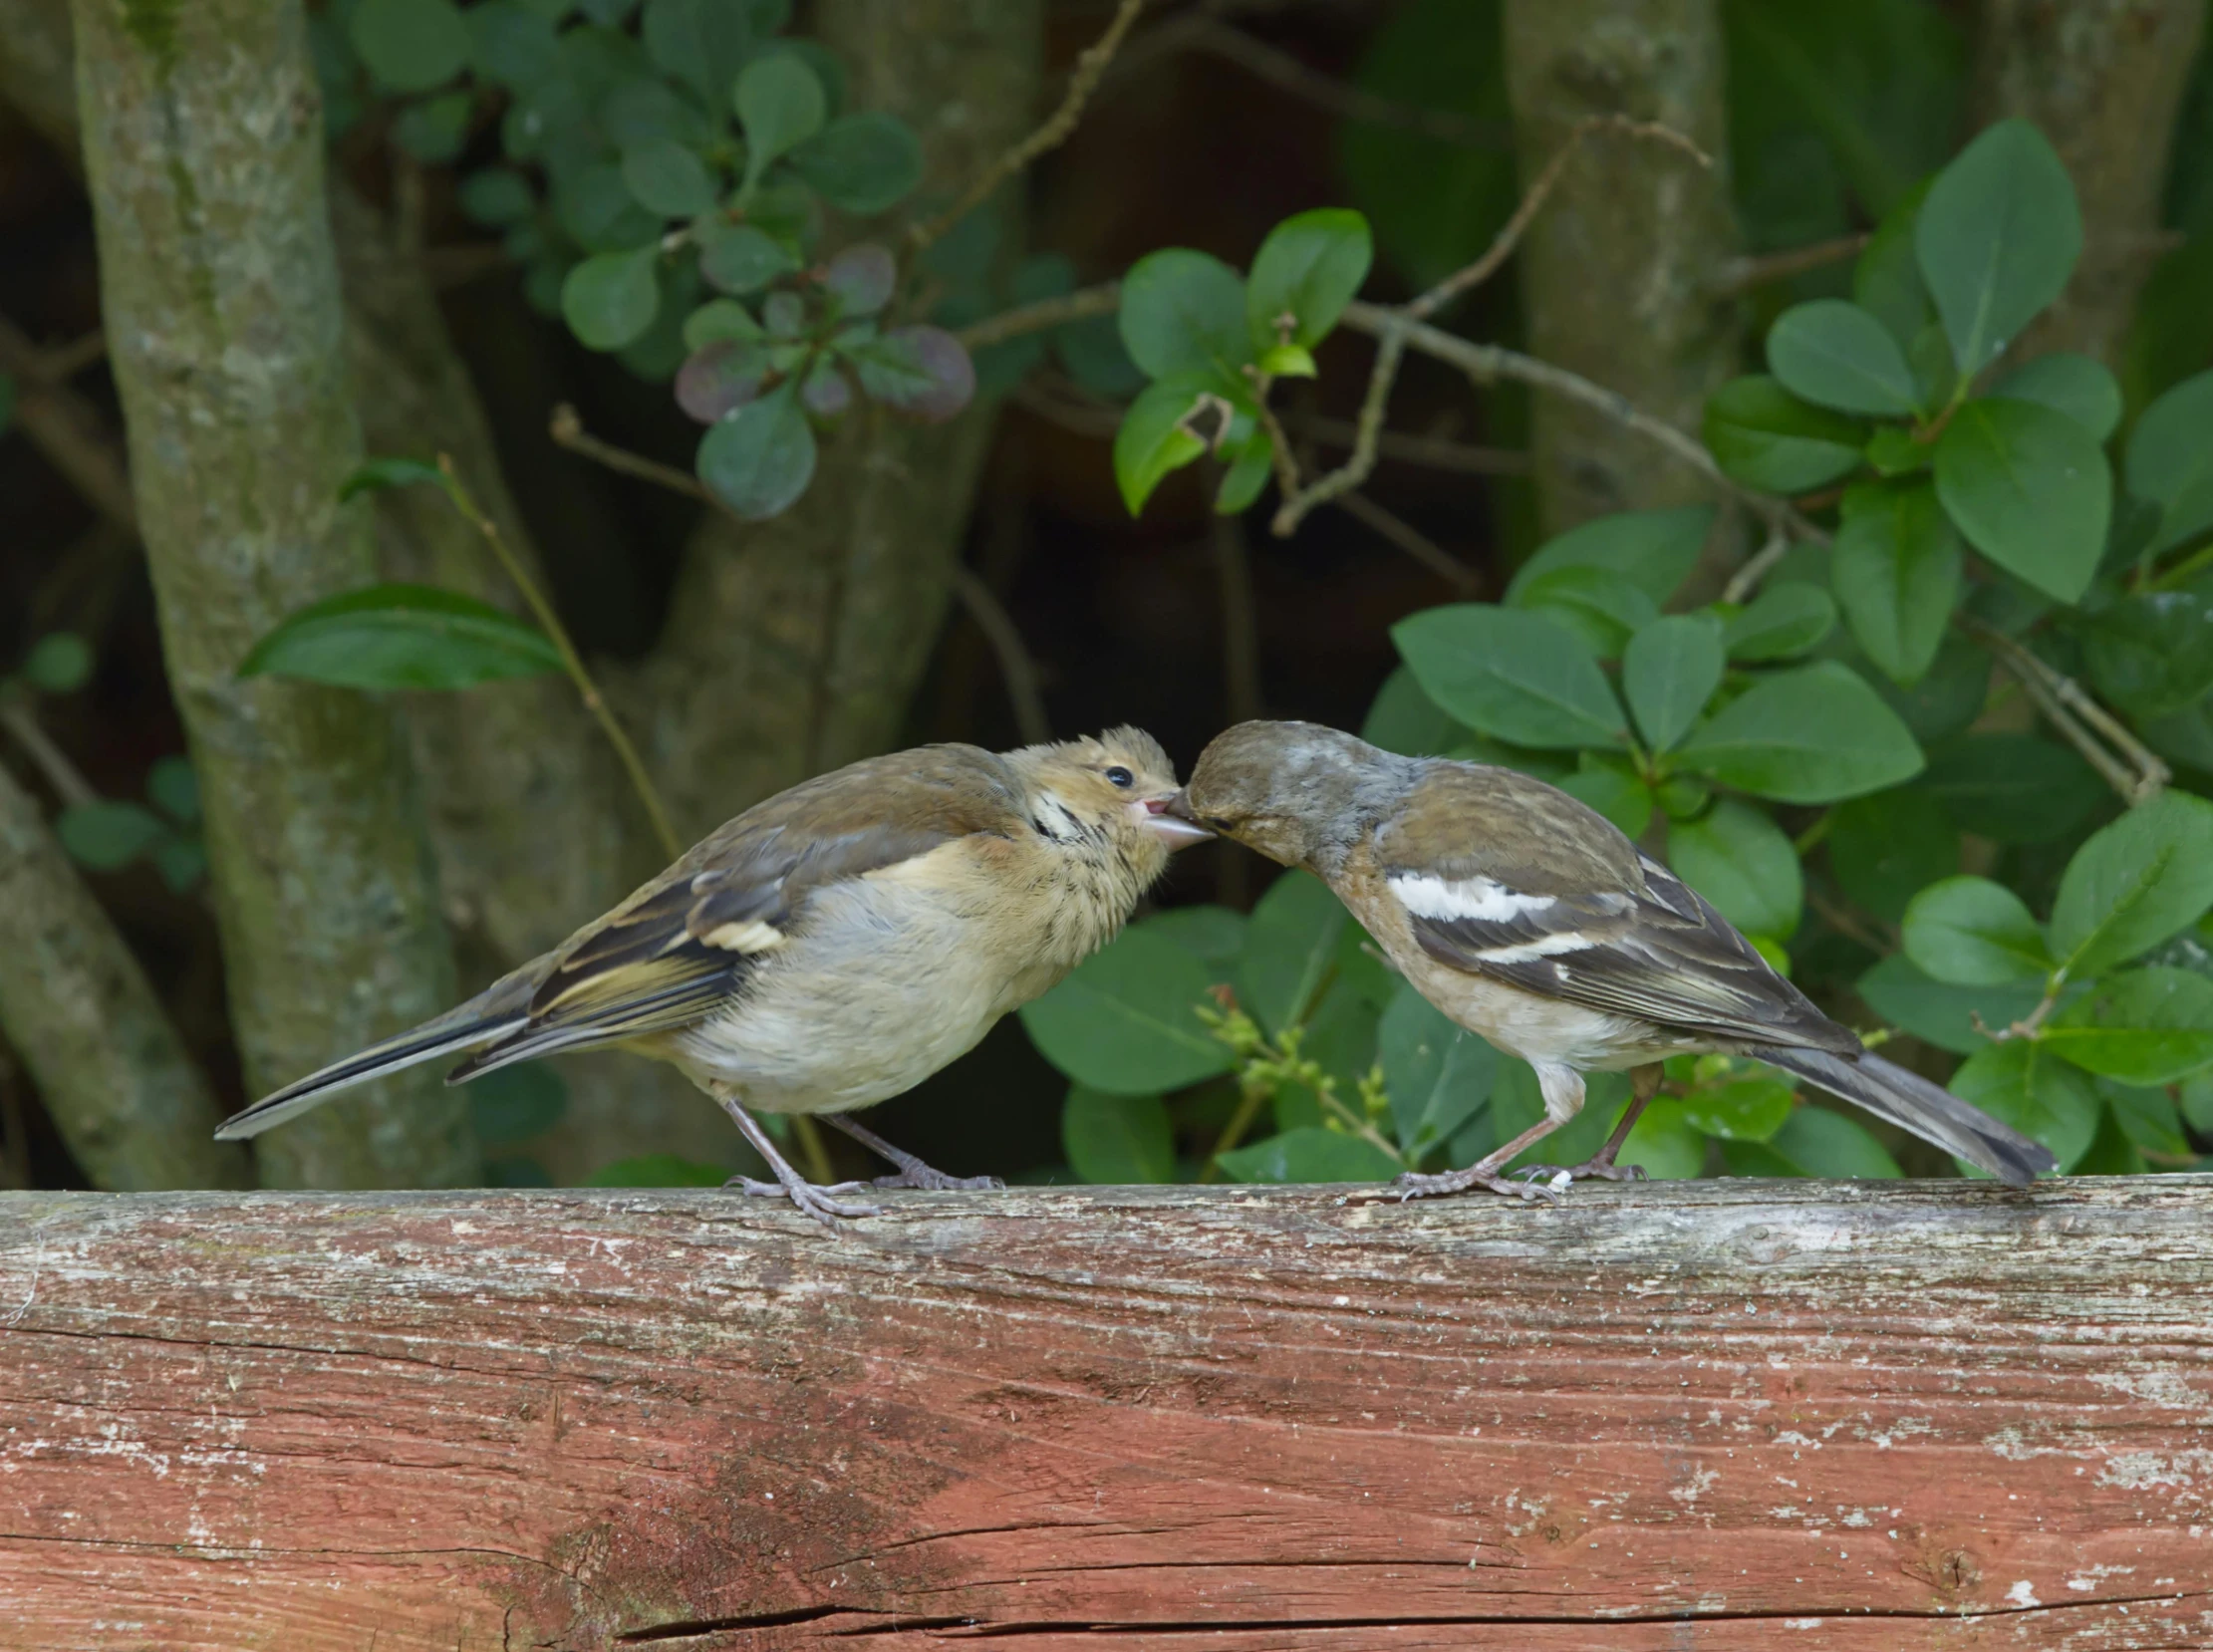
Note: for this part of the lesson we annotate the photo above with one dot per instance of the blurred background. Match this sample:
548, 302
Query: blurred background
1214, 120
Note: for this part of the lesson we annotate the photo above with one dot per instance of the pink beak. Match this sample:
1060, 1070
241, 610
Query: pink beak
1152, 814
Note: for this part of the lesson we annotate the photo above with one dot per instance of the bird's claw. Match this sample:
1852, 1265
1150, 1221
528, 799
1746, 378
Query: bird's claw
937, 1180
823, 1203
1604, 1169
1417, 1185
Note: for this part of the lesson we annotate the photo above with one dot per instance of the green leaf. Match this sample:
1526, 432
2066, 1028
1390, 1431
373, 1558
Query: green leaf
2035, 1092
375, 475
1811, 735
1766, 439
1747, 1109
2012, 789
2148, 876
761, 458
513, 43
1814, 1141
1438, 1074
1886, 279
658, 1170
1215, 934
2151, 652
1312, 1154
402, 636
2031, 489
1887, 847
515, 1103
1621, 796
1996, 238
1127, 1021
862, 163
1596, 604
1836, 355
2141, 1026
1654, 550
60, 663
174, 789
1743, 862
1406, 721
742, 259
436, 129
720, 321
861, 278
497, 196
1245, 478
410, 44
108, 836
2073, 384
1182, 312
1786, 619
2171, 461
1893, 450
1939, 1014
1155, 435
1307, 270
1895, 568
1515, 676
1117, 1139
666, 177
610, 299
1971, 932
1290, 950
920, 370
781, 105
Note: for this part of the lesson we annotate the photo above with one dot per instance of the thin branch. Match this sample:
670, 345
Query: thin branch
68, 430
1081, 305
1746, 580
1503, 244
567, 430
1297, 502
1415, 544
1090, 65
1017, 670
68, 781
1742, 275
67, 361
571, 661
2138, 775
1406, 448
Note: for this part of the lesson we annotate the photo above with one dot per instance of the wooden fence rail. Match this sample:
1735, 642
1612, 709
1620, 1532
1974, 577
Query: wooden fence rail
1712, 1414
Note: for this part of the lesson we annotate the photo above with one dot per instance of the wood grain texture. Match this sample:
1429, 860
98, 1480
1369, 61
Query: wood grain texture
1716, 1415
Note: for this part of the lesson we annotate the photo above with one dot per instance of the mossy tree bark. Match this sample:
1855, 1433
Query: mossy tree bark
115, 1078
2102, 80
1617, 269
203, 146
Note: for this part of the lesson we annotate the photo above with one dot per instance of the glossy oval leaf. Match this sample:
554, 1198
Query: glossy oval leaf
1669, 672
1895, 568
2151, 652
1598, 605
2030, 488
2036, 1092
1812, 736
1517, 676
2135, 882
1836, 355
2141, 1026
1290, 950
1743, 862
1117, 1139
1970, 932
921, 369
1304, 276
2171, 461
410, 44
1437, 1073
2074, 385
1996, 239
666, 177
1184, 312
1309, 1154
742, 259
1885, 848
610, 299
1766, 439
1814, 1141
402, 636
862, 163
1785, 620
1937, 1012
2012, 789
1126, 1022
781, 103
760, 459
1654, 550
1154, 437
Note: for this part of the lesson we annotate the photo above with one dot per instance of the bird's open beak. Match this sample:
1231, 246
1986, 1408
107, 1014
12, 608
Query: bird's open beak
1169, 819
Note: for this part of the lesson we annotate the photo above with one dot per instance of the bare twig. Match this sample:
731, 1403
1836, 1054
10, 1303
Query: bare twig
571, 661
22, 724
1417, 545
1746, 580
1503, 244
1742, 275
68, 430
1406, 448
1297, 502
1090, 65
1081, 305
67, 361
1016, 668
568, 432
2138, 775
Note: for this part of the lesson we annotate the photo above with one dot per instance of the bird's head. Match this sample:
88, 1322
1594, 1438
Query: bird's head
1297, 792
1110, 789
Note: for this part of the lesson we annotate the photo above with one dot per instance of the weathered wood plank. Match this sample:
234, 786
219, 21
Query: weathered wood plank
1714, 1415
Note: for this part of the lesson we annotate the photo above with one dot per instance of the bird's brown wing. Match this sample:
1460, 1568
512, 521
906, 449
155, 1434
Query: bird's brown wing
1511, 880
682, 946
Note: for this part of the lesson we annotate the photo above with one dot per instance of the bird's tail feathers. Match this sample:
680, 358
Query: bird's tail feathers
1911, 1102
492, 1013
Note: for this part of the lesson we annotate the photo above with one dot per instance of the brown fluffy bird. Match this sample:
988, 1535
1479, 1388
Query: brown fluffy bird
1527, 916
833, 945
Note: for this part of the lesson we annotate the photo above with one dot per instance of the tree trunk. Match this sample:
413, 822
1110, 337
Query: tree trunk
204, 146
1617, 269
2102, 80
794, 645
115, 1077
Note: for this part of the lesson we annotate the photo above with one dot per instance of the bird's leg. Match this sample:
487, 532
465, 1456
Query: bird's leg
1484, 1173
912, 1173
820, 1203
1644, 1084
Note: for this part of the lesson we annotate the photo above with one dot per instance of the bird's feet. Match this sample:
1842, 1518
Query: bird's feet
919, 1174
1414, 1185
823, 1203
1596, 1165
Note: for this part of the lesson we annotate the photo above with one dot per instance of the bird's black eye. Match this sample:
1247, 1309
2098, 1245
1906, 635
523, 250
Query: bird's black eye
1120, 776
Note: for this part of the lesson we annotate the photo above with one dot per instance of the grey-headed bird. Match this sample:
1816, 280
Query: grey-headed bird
833, 945
1528, 918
